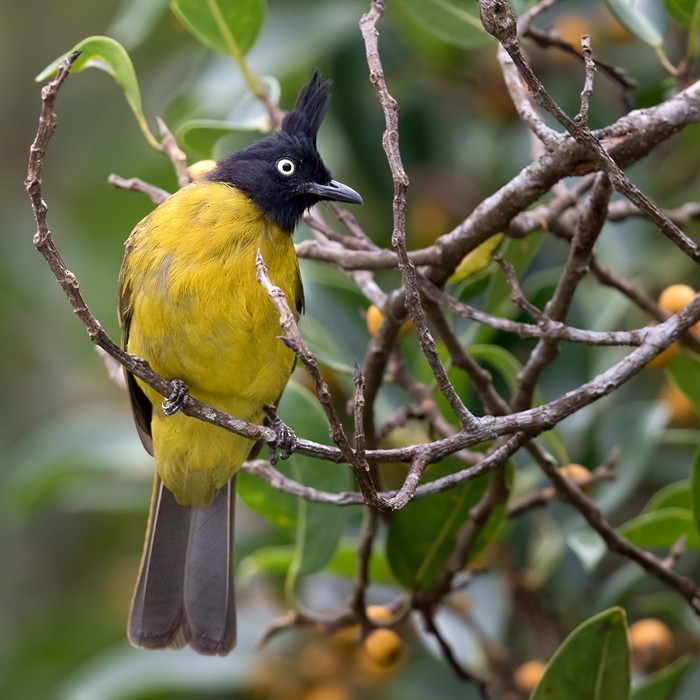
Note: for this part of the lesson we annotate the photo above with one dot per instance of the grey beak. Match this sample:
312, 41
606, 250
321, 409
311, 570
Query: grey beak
335, 191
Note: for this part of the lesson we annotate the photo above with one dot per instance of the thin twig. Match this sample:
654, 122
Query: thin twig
135, 184
364, 552
177, 156
498, 19
589, 226
589, 509
543, 497
390, 142
549, 37
294, 340
460, 671
589, 63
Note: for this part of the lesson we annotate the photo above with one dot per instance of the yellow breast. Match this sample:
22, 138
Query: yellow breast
198, 314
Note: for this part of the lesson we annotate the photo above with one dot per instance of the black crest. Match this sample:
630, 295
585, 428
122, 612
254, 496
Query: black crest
310, 108
283, 174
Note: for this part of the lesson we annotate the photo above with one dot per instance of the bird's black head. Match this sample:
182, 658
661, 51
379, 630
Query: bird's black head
283, 174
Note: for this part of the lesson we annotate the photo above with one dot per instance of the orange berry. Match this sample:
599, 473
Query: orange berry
198, 170
680, 406
578, 474
675, 297
383, 646
528, 675
332, 690
651, 644
378, 613
374, 320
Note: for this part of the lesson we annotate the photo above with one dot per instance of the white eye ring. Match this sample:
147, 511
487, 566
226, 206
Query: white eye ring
286, 166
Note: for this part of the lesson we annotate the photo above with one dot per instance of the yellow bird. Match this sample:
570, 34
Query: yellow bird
190, 304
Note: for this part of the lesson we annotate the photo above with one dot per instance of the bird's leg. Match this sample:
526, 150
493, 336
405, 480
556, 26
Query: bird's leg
285, 440
173, 403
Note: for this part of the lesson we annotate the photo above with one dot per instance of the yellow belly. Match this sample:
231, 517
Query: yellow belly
200, 315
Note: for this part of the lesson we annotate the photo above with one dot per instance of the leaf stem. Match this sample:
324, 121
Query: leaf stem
664, 60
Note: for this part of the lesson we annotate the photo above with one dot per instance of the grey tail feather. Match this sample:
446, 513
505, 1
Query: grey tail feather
185, 591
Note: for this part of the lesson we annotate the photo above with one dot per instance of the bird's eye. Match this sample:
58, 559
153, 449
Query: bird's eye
285, 166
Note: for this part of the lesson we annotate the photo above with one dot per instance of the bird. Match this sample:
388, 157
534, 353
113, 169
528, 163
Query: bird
190, 305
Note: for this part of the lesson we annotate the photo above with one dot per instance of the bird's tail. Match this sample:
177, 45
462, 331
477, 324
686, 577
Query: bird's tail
185, 590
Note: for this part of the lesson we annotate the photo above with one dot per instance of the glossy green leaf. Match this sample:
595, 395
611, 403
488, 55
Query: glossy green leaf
317, 527
477, 259
675, 495
661, 529
645, 19
228, 26
201, 135
455, 21
685, 374
422, 535
683, 11
344, 563
591, 664
660, 685
110, 56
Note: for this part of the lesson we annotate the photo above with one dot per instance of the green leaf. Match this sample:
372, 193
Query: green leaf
317, 526
268, 560
685, 374
344, 563
422, 535
675, 495
477, 259
695, 490
455, 21
591, 664
661, 529
683, 10
645, 19
201, 135
660, 685
504, 362
249, 114
228, 26
110, 56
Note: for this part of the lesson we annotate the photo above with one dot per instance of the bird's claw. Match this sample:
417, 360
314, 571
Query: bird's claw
285, 442
173, 403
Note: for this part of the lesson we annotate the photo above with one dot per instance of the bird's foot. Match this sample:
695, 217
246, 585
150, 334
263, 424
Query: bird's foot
173, 403
285, 442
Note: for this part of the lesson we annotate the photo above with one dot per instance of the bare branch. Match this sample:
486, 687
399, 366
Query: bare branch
135, 184
582, 116
498, 19
294, 340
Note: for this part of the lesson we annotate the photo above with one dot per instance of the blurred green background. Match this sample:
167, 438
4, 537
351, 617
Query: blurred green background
75, 482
